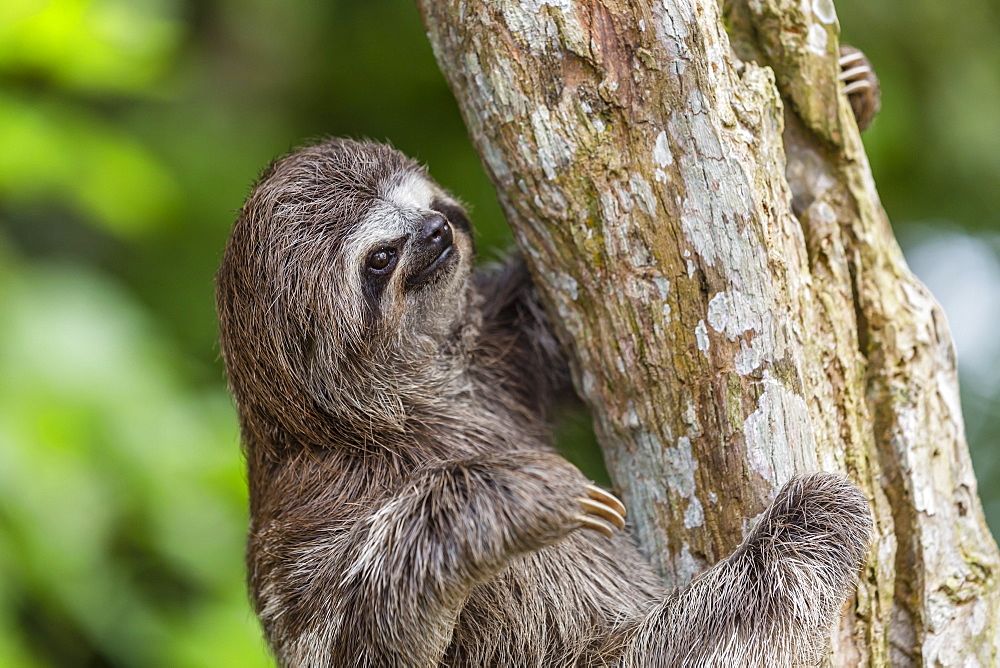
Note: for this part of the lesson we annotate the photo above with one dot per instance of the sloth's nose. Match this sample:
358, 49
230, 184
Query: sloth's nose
437, 232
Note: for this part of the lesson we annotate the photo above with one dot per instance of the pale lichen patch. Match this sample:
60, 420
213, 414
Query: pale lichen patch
554, 152
718, 312
822, 216
686, 565
588, 381
680, 465
701, 336
690, 416
619, 364
624, 198
567, 285
733, 314
758, 456
482, 83
643, 193
610, 208
716, 200
817, 39
694, 516
662, 286
747, 359
647, 291
824, 11
495, 160
673, 20
630, 418
781, 424
661, 150
595, 121
531, 23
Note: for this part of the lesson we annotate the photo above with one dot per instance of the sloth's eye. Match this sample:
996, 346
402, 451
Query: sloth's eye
382, 261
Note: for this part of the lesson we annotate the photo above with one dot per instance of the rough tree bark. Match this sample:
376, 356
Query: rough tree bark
697, 207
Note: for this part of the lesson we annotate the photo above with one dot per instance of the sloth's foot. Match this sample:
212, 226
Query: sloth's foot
860, 85
602, 511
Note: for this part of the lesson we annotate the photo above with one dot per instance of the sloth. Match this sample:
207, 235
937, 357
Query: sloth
406, 505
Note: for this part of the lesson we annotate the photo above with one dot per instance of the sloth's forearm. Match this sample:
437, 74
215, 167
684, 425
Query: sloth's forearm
397, 579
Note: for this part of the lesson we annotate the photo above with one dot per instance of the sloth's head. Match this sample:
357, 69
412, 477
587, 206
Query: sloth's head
346, 275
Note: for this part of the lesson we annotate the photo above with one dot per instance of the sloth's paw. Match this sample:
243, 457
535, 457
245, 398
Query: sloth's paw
860, 85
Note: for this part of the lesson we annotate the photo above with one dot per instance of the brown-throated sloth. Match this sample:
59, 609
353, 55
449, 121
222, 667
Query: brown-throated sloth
406, 507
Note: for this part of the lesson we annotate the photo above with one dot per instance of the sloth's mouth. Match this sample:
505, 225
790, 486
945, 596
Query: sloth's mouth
436, 268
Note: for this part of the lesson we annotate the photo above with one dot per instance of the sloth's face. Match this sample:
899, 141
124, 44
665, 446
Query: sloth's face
347, 269
346, 257
410, 256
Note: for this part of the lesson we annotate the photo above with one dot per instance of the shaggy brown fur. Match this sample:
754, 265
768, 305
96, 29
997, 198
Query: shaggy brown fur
406, 506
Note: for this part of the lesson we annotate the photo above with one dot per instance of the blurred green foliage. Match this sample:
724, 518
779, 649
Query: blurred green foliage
130, 131
935, 148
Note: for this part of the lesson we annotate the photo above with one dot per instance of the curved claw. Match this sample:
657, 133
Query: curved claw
855, 86
594, 524
851, 58
602, 511
855, 72
608, 499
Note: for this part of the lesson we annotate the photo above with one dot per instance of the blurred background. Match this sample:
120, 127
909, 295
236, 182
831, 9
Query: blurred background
130, 132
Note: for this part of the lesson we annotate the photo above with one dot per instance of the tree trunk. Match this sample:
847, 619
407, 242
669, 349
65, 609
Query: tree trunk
699, 213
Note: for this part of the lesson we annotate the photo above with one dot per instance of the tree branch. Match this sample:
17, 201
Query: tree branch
715, 258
